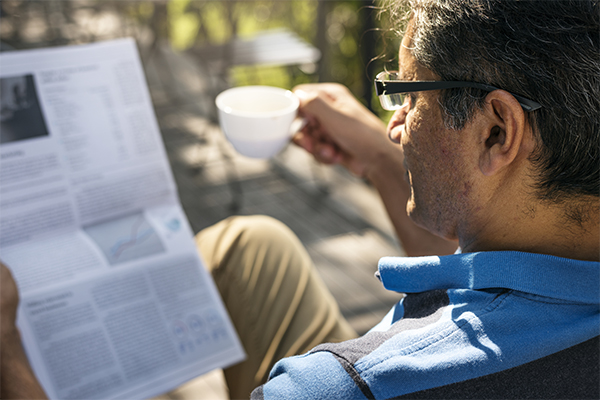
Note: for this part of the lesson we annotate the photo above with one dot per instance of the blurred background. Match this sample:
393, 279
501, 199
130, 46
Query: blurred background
349, 41
193, 49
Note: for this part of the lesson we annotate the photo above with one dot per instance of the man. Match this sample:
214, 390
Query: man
510, 172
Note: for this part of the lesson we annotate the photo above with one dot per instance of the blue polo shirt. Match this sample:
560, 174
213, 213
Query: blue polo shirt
469, 322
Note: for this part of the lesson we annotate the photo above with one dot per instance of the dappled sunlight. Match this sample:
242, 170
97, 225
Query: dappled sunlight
347, 263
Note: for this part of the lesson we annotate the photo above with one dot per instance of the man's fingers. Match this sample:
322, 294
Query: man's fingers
303, 140
324, 152
9, 299
317, 105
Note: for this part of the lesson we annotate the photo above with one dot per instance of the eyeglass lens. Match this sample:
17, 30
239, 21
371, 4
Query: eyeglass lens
390, 102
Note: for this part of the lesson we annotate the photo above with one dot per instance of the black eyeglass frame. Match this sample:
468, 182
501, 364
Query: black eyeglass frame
386, 87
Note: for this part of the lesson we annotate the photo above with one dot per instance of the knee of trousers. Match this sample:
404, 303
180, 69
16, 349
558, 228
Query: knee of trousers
244, 240
260, 268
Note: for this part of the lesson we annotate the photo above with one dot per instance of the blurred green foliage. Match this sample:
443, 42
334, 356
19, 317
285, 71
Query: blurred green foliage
351, 37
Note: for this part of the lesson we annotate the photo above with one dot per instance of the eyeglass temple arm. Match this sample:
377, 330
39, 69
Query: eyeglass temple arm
391, 87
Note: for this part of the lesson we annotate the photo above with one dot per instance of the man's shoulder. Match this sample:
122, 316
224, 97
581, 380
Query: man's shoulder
443, 337
469, 318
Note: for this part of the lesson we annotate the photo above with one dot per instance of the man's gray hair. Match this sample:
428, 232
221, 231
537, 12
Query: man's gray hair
548, 51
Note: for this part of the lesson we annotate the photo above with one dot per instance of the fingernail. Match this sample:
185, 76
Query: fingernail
325, 152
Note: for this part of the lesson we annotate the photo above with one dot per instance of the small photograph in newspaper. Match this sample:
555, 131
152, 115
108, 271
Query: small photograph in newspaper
20, 113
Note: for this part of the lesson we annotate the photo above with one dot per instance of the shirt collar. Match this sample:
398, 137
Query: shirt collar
539, 274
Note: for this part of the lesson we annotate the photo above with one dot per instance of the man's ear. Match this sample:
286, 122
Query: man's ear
502, 131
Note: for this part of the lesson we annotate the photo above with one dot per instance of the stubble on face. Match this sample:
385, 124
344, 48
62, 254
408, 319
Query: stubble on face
436, 163
435, 157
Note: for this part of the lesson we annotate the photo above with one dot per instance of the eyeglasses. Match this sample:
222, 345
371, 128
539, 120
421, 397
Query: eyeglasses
392, 91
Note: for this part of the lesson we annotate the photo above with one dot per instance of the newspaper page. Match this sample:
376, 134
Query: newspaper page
115, 300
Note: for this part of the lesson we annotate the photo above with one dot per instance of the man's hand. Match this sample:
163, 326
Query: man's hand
16, 377
9, 301
340, 130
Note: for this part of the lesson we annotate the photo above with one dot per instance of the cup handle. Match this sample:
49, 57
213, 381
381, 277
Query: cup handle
297, 125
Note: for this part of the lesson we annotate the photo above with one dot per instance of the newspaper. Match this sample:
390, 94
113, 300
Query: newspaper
115, 300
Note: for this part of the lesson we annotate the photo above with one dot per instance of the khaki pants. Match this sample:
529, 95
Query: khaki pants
278, 303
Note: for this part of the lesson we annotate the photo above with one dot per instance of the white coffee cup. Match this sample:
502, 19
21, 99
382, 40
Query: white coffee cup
257, 120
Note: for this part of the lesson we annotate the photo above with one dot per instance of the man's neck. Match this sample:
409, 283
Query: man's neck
569, 232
